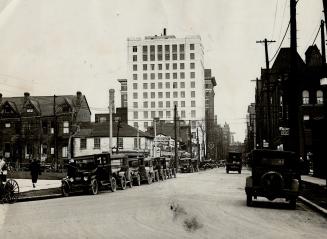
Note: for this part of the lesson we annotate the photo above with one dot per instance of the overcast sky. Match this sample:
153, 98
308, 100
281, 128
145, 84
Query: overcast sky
61, 46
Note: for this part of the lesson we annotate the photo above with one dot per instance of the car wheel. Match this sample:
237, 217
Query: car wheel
65, 189
293, 203
138, 180
239, 171
113, 184
157, 176
131, 181
123, 182
249, 200
148, 178
94, 187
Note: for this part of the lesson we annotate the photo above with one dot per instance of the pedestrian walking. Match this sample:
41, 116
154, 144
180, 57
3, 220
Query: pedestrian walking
35, 171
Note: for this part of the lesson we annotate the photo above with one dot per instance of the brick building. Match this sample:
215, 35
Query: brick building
40, 126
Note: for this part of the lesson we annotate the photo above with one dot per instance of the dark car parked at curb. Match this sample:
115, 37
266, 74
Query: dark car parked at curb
275, 174
188, 165
165, 167
234, 162
121, 171
88, 173
144, 168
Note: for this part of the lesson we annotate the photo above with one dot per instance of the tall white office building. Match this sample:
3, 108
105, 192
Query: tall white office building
164, 71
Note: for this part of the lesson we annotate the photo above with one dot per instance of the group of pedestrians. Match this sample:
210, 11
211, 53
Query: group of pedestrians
34, 167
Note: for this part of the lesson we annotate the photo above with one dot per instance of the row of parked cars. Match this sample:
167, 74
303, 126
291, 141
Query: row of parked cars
110, 172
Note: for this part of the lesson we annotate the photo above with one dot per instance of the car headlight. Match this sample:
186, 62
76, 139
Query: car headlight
71, 179
85, 178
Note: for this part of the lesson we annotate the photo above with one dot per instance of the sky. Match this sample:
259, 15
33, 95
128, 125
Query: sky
59, 47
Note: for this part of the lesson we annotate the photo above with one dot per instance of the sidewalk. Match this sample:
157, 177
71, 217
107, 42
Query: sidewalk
44, 189
314, 193
313, 180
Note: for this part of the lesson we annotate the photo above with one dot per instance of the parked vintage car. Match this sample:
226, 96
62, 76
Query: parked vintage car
121, 171
165, 167
88, 173
207, 164
234, 162
275, 174
169, 165
186, 165
145, 169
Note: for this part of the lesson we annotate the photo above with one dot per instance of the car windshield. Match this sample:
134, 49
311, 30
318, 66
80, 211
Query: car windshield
86, 164
133, 163
115, 162
273, 161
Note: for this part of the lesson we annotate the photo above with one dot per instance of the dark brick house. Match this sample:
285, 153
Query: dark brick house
40, 126
272, 110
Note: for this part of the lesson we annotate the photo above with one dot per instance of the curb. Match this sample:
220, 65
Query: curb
41, 197
321, 210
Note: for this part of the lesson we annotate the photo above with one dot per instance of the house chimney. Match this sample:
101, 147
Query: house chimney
79, 98
78, 94
164, 31
26, 96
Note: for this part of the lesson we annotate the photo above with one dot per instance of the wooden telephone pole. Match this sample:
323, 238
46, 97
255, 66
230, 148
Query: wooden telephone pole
267, 81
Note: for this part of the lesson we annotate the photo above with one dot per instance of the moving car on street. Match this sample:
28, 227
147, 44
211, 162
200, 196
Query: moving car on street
275, 174
234, 162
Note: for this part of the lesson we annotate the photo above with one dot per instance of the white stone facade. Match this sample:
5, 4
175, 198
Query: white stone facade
129, 144
155, 83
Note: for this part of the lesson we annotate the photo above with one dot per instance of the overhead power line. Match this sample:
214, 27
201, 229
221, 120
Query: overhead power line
281, 43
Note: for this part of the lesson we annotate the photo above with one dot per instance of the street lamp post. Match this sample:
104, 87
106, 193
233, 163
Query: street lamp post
323, 83
117, 120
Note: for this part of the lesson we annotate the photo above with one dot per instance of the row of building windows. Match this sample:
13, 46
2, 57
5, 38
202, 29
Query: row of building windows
153, 67
161, 104
167, 94
147, 124
160, 85
97, 143
306, 97
166, 48
167, 75
166, 56
45, 127
174, 66
160, 114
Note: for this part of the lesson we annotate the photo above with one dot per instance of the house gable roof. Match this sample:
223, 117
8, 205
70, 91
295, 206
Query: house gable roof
44, 104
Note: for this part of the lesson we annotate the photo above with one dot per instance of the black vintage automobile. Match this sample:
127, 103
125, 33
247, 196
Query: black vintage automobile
275, 174
234, 162
88, 173
165, 167
121, 171
144, 167
187, 165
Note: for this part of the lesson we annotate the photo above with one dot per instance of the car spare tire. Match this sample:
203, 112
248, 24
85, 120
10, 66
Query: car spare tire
272, 182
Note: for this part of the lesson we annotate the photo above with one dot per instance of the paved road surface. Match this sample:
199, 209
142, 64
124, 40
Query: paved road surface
209, 204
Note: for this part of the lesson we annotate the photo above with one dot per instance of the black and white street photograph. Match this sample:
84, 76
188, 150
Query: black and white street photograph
163, 119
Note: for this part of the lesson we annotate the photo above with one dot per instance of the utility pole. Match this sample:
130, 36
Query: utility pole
265, 41
198, 144
267, 80
175, 133
190, 137
55, 133
292, 89
323, 48
325, 10
111, 104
